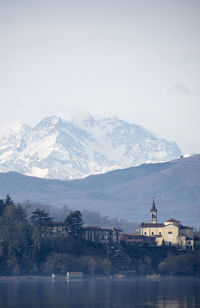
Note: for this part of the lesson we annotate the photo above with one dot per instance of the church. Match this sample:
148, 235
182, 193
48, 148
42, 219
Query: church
170, 232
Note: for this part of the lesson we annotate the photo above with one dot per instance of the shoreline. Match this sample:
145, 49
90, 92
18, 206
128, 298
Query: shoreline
98, 278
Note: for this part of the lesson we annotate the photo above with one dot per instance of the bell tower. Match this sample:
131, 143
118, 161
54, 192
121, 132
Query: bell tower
153, 213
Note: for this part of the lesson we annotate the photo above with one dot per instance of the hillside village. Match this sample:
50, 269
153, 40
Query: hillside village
36, 245
171, 233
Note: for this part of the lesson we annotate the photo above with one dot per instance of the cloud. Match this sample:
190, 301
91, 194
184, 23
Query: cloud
181, 88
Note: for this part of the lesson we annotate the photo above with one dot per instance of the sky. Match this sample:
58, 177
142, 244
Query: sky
138, 60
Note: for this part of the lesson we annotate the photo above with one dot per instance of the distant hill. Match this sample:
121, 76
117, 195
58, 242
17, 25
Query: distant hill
60, 149
125, 193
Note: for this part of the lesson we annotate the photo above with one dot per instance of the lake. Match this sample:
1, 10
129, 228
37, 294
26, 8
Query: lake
106, 293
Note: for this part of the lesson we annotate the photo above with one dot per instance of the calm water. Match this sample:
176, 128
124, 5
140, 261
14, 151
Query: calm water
166, 293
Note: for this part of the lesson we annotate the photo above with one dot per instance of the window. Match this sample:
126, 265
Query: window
152, 233
169, 235
160, 233
145, 233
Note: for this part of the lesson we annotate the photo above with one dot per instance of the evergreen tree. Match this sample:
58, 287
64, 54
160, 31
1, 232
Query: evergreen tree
2, 207
15, 239
74, 223
8, 201
4, 204
41, 220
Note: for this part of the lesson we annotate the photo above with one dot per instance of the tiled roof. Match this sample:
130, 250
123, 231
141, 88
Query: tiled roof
156, 225
131, 234
57, 223
99, 228
172, 220
116, 229
189, 238
92, 227
186, 227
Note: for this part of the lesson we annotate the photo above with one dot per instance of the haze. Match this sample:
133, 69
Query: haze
138, 60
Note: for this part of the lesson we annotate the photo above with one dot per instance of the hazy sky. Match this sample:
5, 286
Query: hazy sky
139, 60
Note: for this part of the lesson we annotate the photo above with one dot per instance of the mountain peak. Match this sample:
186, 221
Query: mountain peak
49, 121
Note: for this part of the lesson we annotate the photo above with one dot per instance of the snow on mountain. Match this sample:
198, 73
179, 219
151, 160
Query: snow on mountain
56, 148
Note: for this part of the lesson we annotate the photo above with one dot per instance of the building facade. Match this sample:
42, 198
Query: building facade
89, 233
58, 228
138, 239
101, 235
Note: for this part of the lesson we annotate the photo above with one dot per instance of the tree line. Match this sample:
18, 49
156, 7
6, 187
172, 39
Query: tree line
27, 247
90, 218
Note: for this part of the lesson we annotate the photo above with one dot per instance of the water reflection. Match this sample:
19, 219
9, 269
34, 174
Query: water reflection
166, 293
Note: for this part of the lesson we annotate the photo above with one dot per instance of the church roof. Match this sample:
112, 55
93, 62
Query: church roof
172, 220
153, 225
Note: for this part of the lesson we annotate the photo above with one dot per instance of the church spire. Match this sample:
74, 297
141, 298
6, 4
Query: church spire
153, 206
153, 213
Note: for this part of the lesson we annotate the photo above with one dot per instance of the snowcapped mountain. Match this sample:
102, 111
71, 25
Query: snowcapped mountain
56, 148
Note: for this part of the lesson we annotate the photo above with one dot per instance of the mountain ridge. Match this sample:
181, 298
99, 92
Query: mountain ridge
63, 149
124, 193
